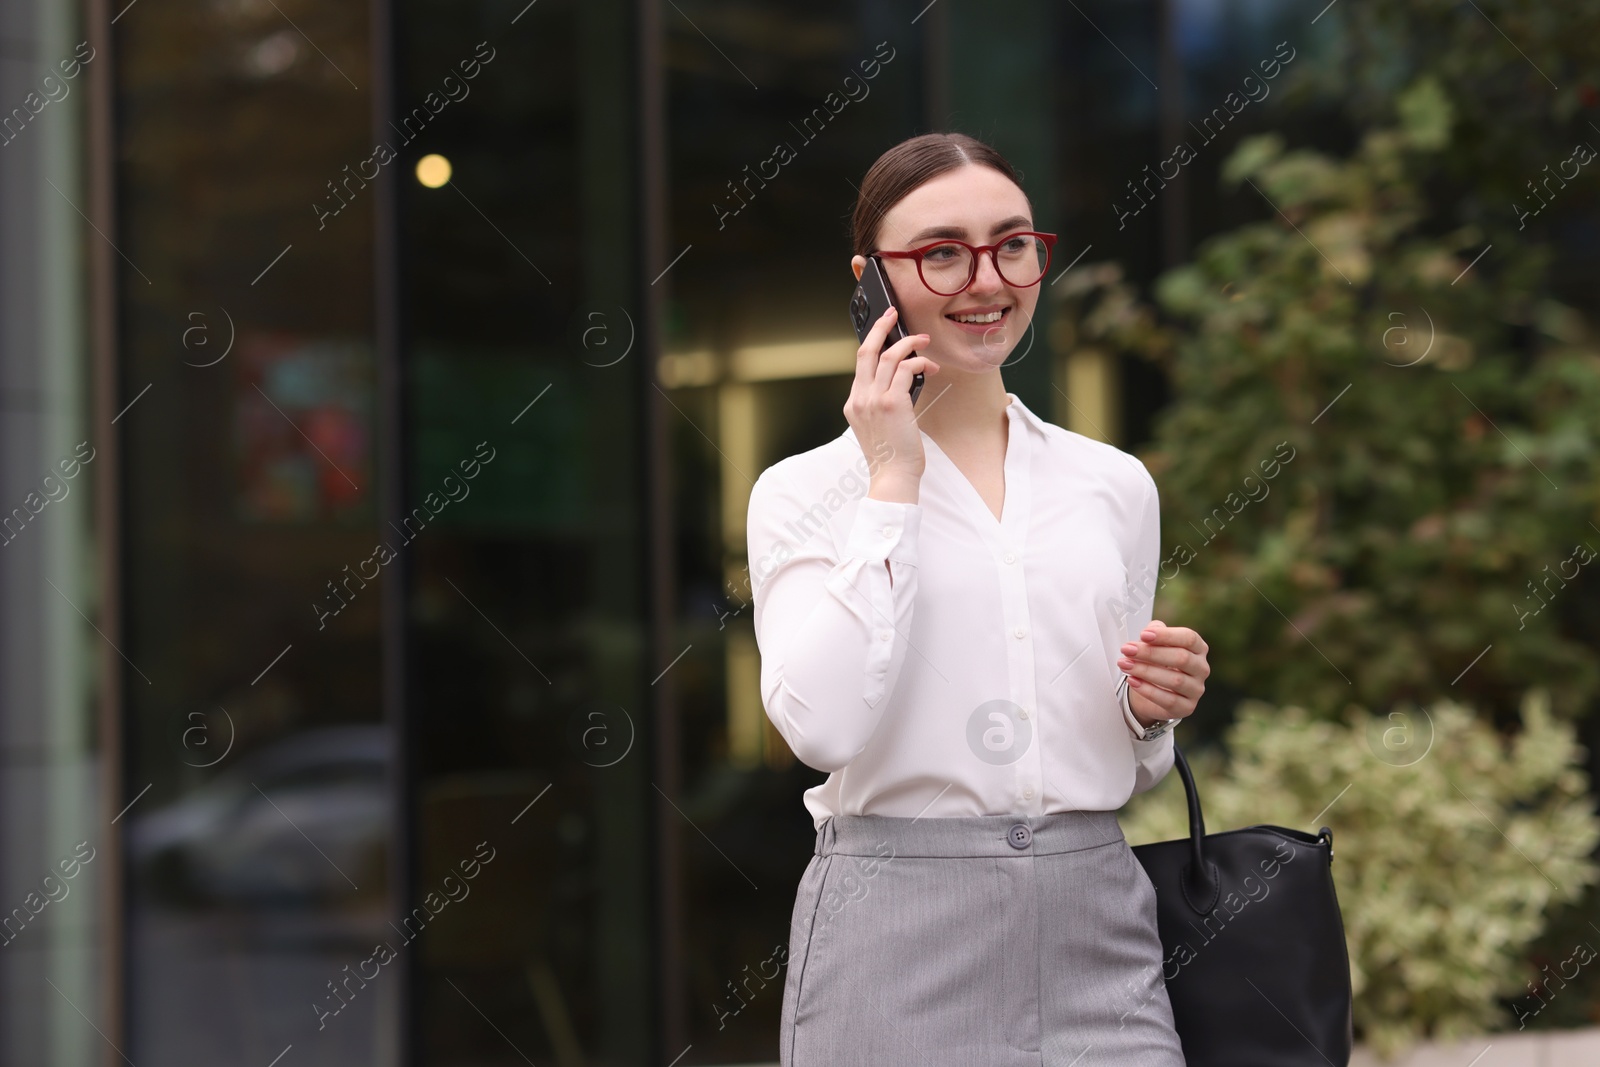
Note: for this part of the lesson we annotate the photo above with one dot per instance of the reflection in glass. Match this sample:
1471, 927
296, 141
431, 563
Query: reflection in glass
256, 859
526, 627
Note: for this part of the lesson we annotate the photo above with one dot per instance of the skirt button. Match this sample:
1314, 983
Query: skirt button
1019, 836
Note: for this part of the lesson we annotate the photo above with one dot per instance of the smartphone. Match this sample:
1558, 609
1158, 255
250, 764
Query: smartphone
872, 298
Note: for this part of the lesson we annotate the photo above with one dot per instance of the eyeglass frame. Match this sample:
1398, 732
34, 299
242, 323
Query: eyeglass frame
977, 251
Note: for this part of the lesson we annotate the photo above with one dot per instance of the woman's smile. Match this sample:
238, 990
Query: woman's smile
980, 320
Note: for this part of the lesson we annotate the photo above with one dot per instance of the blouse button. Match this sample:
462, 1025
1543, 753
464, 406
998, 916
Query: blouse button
1022, 713
1027, 794
1011, 557
884, 635
888, 531
1021, 633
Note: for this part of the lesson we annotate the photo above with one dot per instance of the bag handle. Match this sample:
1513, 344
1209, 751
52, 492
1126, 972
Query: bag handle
1200, 881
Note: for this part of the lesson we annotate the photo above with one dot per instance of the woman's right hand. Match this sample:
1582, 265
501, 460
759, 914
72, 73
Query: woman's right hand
880, 411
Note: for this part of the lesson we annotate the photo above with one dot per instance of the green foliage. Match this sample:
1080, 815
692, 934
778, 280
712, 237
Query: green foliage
1444, 430
1521, 75
1450, 844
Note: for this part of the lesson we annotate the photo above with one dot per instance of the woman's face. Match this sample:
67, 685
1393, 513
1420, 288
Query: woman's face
978, 205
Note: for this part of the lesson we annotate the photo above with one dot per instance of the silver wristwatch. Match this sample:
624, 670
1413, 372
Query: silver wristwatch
1162, 726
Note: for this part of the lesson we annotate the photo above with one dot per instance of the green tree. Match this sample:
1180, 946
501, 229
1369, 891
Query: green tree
1521, 75
1429, 534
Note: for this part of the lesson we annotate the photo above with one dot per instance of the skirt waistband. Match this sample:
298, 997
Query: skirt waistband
996, 836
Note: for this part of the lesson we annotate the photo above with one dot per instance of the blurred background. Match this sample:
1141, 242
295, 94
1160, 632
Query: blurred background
382, 385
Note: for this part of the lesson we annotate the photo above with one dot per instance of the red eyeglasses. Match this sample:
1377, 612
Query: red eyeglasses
948, 267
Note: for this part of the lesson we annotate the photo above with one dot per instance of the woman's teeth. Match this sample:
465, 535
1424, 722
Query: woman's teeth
993, 316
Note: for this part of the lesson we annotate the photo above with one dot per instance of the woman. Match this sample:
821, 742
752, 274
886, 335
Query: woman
955, 648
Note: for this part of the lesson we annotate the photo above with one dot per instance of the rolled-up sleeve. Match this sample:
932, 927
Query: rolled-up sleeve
831, 623
1153, 758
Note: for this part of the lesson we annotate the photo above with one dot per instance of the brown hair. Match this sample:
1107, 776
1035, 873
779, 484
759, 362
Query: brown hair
908, 165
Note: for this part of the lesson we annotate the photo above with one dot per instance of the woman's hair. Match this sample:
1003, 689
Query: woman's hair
908, 165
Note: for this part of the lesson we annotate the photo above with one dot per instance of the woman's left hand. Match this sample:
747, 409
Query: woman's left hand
1167, 672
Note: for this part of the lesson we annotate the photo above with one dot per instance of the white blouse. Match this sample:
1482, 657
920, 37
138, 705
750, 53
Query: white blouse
975, 673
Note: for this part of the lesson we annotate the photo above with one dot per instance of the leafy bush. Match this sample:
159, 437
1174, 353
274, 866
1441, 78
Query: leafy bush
1450, 841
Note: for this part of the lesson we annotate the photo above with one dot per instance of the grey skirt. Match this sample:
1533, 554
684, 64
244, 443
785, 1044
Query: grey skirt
985, 941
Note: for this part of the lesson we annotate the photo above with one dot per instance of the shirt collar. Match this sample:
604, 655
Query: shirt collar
1029, 417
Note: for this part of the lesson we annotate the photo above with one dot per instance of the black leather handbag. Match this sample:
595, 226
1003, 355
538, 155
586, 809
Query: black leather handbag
1253, 946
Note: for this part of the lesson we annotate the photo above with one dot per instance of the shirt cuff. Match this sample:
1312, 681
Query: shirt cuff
885, 529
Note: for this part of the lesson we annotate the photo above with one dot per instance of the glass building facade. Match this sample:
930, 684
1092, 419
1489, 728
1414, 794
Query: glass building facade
383, 671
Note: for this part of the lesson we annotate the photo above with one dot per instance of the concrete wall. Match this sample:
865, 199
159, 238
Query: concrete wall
1566, 1048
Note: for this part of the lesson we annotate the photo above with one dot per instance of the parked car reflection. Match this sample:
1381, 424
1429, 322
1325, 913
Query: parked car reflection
302, 822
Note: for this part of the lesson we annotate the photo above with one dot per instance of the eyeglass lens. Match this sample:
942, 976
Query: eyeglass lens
947, 269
